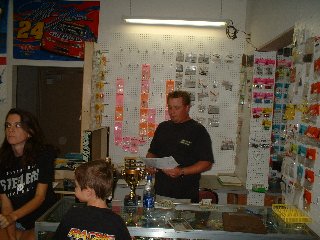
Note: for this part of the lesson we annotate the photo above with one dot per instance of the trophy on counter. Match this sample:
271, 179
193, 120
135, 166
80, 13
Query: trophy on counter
133, 173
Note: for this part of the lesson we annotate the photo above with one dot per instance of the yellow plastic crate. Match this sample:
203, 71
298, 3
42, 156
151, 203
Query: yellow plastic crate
290, 214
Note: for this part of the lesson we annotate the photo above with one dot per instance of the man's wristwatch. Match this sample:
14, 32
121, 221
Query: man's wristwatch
182, 172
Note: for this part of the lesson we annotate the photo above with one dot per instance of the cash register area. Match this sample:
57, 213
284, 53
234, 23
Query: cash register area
211, 218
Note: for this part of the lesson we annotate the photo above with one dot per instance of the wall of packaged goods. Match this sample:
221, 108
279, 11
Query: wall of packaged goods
301, 163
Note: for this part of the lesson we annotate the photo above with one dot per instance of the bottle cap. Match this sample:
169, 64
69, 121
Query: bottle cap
149, 177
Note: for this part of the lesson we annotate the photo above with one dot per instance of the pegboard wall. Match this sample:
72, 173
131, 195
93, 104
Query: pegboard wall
206, 66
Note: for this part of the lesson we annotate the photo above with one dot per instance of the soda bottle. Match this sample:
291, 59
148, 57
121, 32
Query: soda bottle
148, 197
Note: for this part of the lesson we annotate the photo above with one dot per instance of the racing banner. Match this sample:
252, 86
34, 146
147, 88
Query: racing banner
3, 25
54, 30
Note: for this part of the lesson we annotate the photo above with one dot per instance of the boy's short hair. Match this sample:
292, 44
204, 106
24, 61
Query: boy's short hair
98, 175
183, 94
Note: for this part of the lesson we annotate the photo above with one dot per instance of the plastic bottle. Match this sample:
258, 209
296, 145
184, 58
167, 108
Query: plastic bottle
148, 197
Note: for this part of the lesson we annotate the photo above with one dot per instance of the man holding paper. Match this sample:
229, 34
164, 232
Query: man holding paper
188, 142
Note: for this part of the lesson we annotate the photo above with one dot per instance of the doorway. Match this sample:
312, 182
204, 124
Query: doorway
54, 95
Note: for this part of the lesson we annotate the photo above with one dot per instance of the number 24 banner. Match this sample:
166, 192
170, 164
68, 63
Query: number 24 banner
54, 30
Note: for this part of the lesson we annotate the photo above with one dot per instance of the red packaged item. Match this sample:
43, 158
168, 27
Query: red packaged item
309, 175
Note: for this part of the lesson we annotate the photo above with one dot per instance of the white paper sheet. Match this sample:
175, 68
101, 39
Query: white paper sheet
161, 163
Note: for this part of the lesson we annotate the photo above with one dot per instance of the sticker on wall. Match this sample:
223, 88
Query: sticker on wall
119, 100
180, 57
143, 125
179, 68
203, 58
169, 86
134, 145
126, 143
213, 95
191, 58
203, 83
190, 83
118, 133
213, 122
143, 129
203, 70
191, 70
119, 113
145, 72
119, 86
151, 115
144, 97
151, 122
145, 86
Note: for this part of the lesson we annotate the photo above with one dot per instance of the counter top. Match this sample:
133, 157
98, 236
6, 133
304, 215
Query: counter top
206, 222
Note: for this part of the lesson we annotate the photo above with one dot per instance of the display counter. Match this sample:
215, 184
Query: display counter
191, 221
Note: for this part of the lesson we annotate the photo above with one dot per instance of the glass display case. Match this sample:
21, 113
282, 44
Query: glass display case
189, 221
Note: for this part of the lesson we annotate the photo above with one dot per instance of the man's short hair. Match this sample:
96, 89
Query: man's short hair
183, 94
97, 175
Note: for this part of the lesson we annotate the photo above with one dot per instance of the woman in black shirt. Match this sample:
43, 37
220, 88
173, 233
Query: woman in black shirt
26, 175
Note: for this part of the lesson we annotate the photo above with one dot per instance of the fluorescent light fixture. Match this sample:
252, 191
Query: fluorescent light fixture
176, 22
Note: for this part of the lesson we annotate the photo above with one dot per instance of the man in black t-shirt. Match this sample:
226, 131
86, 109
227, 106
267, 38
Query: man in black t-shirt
188, 142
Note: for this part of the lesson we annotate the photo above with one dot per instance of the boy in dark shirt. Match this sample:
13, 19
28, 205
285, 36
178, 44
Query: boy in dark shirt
94, 182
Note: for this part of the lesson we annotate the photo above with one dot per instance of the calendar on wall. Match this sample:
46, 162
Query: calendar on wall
142, 68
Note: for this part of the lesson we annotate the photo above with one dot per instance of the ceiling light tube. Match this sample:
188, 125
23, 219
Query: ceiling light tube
176, 22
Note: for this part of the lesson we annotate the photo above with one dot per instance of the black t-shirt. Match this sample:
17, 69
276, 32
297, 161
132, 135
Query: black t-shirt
20, 183
188, 143
91, 223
